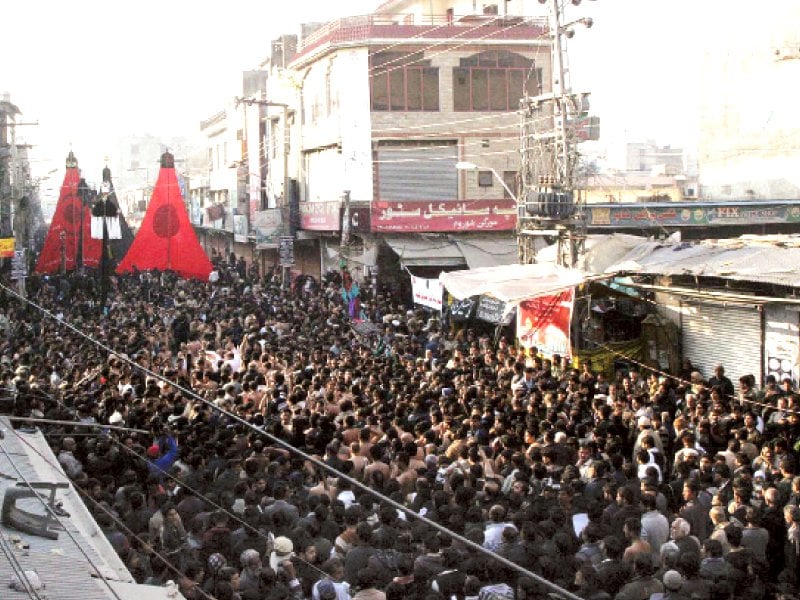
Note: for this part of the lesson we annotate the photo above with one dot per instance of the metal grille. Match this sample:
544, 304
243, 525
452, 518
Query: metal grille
714, 334
423, 173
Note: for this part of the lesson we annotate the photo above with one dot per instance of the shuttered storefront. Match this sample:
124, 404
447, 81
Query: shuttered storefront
409, 171
715, 334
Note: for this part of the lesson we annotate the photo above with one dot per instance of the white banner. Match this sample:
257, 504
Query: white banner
427, 292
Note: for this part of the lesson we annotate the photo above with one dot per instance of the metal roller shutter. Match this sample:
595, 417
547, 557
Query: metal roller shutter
716, 334
424, 172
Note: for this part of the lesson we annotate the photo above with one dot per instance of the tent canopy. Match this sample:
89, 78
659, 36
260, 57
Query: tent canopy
511, 283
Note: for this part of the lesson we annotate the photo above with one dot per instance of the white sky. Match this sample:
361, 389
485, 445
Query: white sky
91, 71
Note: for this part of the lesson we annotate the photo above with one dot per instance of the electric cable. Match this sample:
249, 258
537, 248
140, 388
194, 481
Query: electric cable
110, 513
469, 41
54, 515
312, 459
18, 569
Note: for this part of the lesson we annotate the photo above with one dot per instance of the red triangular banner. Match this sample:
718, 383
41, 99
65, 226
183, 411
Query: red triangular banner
166, 239
67, 221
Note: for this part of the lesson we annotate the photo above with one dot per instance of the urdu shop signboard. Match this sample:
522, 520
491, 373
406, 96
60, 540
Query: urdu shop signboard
688, 215
7, 247
470, 215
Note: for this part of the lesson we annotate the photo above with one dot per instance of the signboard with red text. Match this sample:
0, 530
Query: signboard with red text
449, 215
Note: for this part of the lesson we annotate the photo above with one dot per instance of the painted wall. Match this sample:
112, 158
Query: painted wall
336, 127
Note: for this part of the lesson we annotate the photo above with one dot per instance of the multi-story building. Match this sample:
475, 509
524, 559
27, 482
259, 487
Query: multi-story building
224, 187
387, 106
649, 157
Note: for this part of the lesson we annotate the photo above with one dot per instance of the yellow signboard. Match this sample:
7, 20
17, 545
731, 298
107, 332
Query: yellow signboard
7, 247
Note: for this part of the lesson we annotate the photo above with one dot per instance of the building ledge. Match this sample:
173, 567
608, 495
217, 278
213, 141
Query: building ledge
349, 31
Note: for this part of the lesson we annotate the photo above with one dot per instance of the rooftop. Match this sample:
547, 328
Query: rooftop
375, 28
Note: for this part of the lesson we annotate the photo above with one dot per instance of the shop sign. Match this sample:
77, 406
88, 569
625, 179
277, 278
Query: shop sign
321, 216
472, 215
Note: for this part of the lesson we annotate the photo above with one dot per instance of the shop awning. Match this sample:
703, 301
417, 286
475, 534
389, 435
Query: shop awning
511, 283
487, 251
418, 251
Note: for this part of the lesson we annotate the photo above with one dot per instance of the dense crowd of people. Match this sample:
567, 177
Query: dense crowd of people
631, 485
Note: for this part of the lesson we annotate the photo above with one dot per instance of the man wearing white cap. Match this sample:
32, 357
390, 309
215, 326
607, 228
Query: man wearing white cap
645, 430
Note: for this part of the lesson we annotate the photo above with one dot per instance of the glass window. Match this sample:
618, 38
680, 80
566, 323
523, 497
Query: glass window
480, 89
401, 82
397, 89
485, 179
493, 81
498, 89
430, 88
461, 95
414, 89
380, 93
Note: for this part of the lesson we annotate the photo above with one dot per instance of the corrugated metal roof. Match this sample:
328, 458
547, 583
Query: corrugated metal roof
69, 565
763, 259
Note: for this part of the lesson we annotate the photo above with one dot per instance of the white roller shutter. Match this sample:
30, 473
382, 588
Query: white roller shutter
715, 334
417, 171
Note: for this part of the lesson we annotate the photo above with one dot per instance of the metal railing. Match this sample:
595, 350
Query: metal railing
351, 29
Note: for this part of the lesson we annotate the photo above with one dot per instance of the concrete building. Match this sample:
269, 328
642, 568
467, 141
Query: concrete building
225, 183
649, 157
382, 109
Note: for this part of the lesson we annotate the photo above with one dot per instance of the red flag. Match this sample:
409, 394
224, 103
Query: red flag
166, 239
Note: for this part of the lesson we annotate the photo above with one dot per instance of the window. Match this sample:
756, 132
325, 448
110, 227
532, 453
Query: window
494, 81
273, 138
402, 82
485, 179
510, 179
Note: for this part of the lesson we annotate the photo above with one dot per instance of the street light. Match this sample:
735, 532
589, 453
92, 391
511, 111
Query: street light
469, 166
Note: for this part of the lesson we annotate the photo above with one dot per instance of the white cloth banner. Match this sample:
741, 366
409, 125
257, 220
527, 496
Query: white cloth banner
112, 225
427, 292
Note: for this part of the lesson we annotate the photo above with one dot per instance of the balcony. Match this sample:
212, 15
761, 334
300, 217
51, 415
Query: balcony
351, 30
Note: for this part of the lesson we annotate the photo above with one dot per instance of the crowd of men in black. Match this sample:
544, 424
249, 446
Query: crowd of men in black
628, 486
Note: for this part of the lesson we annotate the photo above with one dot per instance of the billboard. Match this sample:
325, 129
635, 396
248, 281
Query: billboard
267, 226
240, 228
427, 292
544, 323
448, 215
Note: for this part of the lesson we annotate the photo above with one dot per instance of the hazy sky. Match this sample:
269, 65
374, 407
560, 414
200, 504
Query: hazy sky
90, 71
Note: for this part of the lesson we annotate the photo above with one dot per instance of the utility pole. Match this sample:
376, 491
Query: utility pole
83, 193
286, 212
549, 205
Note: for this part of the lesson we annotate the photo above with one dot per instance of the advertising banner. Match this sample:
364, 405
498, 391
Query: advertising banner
427, 292
267, 227
321, 216
240, 228
491, 310
286, 251
544, 323
682, 214
7, 247
473, 215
